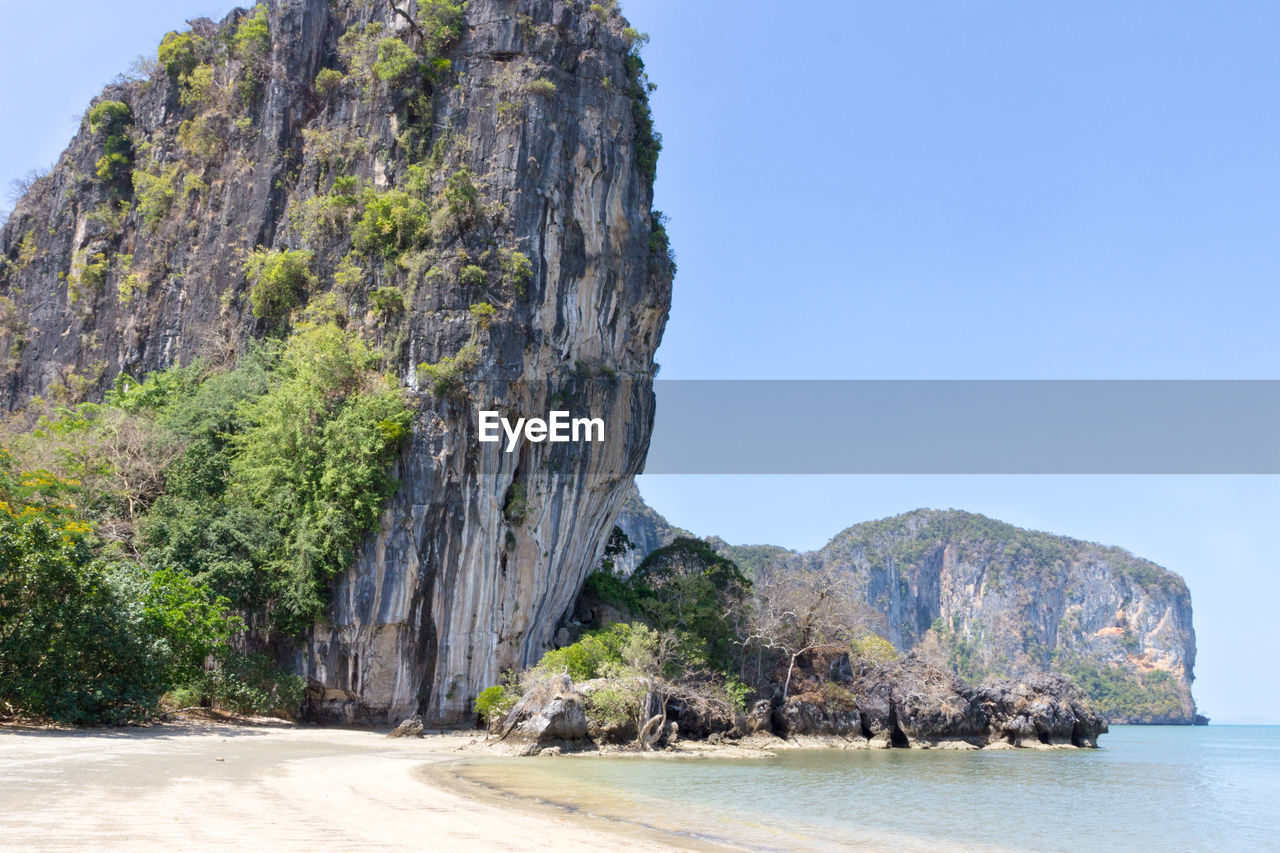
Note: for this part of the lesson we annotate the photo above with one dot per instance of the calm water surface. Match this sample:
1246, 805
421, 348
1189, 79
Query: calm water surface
1147, 788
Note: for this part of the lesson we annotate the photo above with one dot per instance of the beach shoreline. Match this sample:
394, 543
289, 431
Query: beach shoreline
198, 785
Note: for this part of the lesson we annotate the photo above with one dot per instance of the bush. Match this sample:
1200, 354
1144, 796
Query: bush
252, 41
441, 23
287, 468
395, 62
156, 193
328, 81
85, 641
198, 87
244, 684
279, 278
495, 702
472, 276
448, 376
393, 222
202, 141
517, 270
542, 86
314, 460
111, 120
613, 707
388, 301
180, 53
72, 648
462, 197
482, 314
688, 587
874, 649
593, 654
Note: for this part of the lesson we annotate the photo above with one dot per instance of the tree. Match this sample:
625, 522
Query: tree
687, 586
82, 639
801, 611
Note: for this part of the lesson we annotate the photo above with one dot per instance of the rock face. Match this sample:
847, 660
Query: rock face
541, 110
1000, 602
911, 703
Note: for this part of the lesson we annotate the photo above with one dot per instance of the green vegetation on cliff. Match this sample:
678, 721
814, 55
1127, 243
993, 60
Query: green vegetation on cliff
192, 492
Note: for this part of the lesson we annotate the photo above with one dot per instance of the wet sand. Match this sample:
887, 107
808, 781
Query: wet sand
204, 786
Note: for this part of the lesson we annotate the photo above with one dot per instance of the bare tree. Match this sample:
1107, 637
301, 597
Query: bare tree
799, 611
19, 187
119, 461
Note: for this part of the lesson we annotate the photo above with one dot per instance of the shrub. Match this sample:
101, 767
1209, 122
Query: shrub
648, 142
156, 191
244, 684
612, 706
448, 376
89, 279
495, 702
517, 270
875, 649
252, 40
388, 301
441, 23
395, 62
593, 654
542, 86
328, 81
393, 222
110, 116
180, 53
687, 586
515, 509
472, 276
201, 140
461, 196
314, 458
72, 647
111, 120
482, 314
251, 44
82, 640
198, 87
279, 280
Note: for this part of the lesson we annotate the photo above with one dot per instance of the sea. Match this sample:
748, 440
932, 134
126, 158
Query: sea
1175, 788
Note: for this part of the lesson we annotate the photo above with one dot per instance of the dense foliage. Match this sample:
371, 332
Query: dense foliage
181, 497
84, 638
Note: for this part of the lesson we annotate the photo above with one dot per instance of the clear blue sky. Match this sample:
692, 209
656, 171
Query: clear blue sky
927, 190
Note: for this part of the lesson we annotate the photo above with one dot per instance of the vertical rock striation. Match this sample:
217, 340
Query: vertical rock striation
538, 106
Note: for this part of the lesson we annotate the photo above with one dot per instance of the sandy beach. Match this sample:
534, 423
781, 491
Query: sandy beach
201, 786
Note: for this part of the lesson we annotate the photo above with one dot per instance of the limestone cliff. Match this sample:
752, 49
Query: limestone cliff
427, 164
996, 601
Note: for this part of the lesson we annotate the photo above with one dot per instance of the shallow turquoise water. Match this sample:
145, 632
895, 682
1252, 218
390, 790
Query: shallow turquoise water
1147, 788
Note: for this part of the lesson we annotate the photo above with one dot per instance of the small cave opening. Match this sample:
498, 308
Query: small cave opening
1077, 739
897, 739
1044, 737
866, 727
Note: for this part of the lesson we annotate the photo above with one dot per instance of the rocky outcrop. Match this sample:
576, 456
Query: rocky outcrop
912, 703
909, 703
1046, 710
998, 602
995, 602
548, 716
411, 727
524, 150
